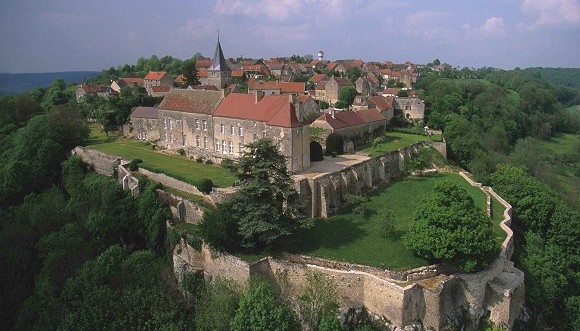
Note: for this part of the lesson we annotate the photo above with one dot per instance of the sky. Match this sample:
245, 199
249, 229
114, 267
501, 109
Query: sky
67, 35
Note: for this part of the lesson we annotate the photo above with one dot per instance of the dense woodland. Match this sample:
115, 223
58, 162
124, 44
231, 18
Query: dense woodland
76, 252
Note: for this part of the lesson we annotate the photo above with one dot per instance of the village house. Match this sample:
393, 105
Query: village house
411, 109
127, 82
95, 90
333, 86
275, 88
156, 79
383, 104
144, 121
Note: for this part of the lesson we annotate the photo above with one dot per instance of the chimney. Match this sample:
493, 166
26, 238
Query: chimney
225, 92
333, 113
259, 95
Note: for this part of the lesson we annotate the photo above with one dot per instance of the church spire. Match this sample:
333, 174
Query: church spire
218, 62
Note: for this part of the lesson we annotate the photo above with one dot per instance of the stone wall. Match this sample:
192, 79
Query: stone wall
324, 194
102, 163
127, 180
171, 182
182, 209
427, 294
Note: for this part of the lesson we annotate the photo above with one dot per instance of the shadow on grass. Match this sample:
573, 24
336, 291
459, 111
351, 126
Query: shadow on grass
328, 233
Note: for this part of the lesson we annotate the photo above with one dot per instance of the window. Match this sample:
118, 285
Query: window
231, 147
204, 125
241, 131
205, 142
184, 140
222, 130
217, 145
232, 130
165, 122
407, 107
197, 142
263, 134
254, 137
196, 124
241, 149
224, 147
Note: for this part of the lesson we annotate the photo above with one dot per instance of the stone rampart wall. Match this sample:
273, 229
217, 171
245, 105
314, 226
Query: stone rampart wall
323, 195
182, 209
424, 294
127, 180
171, 182
103, 164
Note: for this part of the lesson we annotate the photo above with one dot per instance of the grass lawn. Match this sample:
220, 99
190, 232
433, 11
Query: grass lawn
393, 141
565, 149
131, 149
353, 238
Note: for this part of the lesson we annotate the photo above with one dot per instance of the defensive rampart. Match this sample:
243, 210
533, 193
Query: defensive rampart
425, 295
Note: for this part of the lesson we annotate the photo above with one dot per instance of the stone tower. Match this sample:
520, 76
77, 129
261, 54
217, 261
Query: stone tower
219, 73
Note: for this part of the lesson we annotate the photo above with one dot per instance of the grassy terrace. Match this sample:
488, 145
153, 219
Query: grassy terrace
393, 141
353, 238
169, 164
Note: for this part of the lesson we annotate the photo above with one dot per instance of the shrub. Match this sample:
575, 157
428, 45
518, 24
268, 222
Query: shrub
229, 164
204, 185
357, 203
386, 222
340, 105
316, 151
377, 141
181, 151
334, 143
208, 161
134, 164
199, 159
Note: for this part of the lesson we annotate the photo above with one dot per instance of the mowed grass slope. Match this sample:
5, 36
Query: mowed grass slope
354, 238
130, 149
392, 142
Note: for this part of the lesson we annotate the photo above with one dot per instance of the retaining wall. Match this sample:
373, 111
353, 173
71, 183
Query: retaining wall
428, 294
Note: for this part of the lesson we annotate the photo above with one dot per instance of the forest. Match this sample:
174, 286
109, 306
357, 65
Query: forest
76, 252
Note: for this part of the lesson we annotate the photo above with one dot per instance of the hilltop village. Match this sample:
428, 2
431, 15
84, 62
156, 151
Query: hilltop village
214, 119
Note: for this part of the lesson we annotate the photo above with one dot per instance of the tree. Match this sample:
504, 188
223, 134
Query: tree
386, 222
217, 305
449, 228
266, 205
403, 94
190, 72
259, 310
347, 94
318, 300
353, 74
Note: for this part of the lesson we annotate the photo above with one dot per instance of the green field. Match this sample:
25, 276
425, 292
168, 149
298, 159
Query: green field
353, 238
392, 142
170, 164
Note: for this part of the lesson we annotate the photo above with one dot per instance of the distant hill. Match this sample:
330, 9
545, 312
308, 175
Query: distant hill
19, 83
569, 77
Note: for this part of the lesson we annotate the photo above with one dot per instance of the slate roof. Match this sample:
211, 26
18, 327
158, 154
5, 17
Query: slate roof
145, 112
274, 110
218, 63
191, 101
289, 87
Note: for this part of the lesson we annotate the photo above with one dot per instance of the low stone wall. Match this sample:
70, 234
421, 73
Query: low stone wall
171, 182
182, 209
103, 164
426, 294
127, 180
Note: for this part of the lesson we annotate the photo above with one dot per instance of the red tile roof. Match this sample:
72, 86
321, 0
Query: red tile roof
237, 73
341, 119
382, 103
202, 73
341, 81
145, 112
202, 63
191, 101
331, 66
371, 115
391, 90
155, 75
289, 87
180, 79
274, 110
317, 78
132, 81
